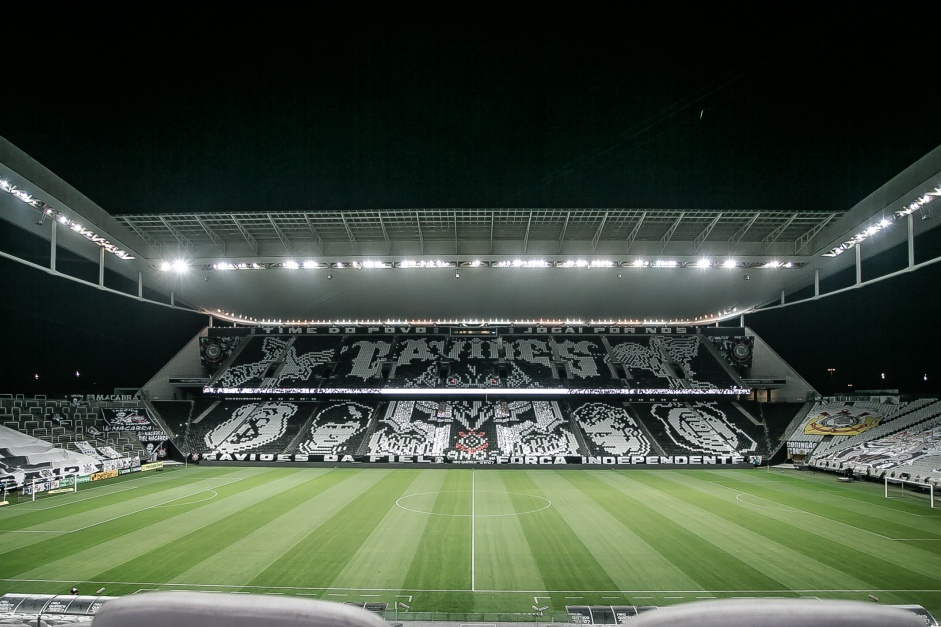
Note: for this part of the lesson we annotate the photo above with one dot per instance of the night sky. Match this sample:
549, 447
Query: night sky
418, 109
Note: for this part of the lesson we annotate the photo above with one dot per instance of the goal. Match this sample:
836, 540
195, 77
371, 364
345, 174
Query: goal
48, 486
899, 486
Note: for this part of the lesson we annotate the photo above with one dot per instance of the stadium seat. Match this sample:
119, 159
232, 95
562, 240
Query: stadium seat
189, 609
778, 613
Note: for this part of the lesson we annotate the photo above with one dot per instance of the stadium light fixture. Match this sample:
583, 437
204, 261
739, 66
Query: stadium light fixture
919, 204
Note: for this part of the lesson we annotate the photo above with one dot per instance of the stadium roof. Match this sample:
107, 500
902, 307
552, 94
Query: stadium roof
592, 265
511, 155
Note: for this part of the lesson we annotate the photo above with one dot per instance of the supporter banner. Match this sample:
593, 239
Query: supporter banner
151, 466
120, 463
489, 391
797, 447
106, 474
134, 419
528, 460
842, 421
218, 332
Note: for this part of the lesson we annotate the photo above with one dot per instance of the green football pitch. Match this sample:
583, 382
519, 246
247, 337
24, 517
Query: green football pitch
467, 541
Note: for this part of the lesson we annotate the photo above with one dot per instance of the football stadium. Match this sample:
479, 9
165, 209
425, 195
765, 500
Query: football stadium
472, 416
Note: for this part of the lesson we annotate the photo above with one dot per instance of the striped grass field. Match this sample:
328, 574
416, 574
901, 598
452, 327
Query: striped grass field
461, 540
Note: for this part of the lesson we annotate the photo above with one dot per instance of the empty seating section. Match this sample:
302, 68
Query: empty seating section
912, 454
24, 458
249, 367
174, 414
586, 362
529, 362
249, 426
829, 424
337, 428
87, 449
305, 361
472, 363
416, 361
533, 428
891, 418
411, 428
702, 428
359, 362
692, 360
609, 429
109, 452
777, 417
644, 362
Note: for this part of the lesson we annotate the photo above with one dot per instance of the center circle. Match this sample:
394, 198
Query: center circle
426, 502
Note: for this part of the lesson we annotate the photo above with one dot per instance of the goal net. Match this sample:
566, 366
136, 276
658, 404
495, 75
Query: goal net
49, 486
897, 488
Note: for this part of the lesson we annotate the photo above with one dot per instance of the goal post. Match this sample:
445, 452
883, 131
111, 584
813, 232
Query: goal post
929, 484
51, 485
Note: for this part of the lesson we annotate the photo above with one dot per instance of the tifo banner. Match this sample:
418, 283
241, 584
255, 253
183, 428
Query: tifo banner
134, 419
529, 460
842, 421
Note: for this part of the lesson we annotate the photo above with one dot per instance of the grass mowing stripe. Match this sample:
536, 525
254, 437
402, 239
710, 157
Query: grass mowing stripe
443, 559
88, 494
871, 559
626, 557
92, 549
502, 564
867, 493
671, 534
78, 514
245, 560
877, 520
275, 498
321, 555
47, 550
746, 535
562, 557
395, 542
922, 540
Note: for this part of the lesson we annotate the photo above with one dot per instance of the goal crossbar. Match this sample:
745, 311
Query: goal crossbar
904, 482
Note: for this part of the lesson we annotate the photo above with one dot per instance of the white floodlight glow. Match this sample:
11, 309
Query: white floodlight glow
165, 266
729, 263
291, 265
666, 263
475, 263
601, 264
640, 263
180, 266
703, 263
